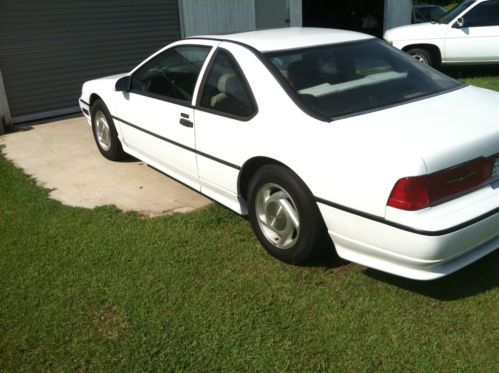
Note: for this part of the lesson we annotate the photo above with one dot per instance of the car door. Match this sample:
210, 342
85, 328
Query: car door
156, 116
224, 113
477, 40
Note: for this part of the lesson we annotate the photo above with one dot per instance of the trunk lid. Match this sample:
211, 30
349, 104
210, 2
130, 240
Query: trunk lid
445, 130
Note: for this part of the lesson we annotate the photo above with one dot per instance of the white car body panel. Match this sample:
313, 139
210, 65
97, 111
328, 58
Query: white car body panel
350, 165
161, 118
408, 254
472, 45
293, 37
466, 45
421, 33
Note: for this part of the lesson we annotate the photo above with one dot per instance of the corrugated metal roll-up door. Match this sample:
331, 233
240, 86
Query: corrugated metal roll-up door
49, 48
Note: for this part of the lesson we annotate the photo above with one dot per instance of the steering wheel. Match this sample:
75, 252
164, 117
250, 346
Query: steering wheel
176, 90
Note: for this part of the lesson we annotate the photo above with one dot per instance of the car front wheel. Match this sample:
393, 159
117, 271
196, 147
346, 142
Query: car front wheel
284, 215
105, 134
421, 55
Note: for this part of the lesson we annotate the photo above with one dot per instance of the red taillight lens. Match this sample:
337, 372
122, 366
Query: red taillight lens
415, 193
410, 193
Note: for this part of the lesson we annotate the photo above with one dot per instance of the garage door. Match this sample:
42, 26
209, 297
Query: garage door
49, 48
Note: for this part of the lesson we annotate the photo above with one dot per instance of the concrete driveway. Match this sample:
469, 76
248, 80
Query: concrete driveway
63, 157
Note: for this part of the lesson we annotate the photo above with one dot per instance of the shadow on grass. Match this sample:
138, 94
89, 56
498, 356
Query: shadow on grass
463, 72
477, 278
327, 259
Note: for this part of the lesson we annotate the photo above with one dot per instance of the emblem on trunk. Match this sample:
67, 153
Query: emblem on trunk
461, 178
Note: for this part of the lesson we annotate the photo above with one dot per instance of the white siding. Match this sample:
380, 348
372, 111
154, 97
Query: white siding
217, 16
295, 10
397, 13
4, 107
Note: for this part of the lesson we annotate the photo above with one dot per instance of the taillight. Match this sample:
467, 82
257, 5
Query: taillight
418, 192
410, 193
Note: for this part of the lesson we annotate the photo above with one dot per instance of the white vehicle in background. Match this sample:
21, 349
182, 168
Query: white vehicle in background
313, 132
467, 34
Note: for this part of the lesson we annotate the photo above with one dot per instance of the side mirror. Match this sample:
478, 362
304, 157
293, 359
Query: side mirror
459, 23
123, 84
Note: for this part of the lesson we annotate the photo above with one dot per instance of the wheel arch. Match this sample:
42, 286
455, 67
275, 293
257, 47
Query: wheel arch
94, 97
115, 151
249, 168
325, 248
432, 48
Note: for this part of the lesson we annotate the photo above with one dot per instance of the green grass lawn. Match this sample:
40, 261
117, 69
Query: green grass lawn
104, 290
452, 5
490, 82
484, 76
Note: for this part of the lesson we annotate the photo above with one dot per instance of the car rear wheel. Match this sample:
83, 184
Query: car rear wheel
284, 215
105, 134
421, 55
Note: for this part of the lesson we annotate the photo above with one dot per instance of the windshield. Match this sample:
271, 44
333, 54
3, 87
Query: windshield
430, 12
454, 12
344, 79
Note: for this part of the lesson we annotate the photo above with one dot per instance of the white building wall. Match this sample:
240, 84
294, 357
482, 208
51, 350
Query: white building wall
295, 13
5, 119
216, 16
397, 13
227, 16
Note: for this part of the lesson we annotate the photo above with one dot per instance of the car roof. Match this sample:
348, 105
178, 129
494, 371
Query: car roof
290, 38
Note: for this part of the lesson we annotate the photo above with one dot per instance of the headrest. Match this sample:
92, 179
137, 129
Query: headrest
329, 67
225, 81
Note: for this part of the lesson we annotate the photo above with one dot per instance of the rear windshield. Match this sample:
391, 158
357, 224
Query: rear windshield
344, 79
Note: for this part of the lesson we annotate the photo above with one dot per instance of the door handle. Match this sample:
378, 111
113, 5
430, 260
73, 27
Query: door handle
186, 123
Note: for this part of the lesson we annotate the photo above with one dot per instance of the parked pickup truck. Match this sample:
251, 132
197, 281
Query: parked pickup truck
467, 34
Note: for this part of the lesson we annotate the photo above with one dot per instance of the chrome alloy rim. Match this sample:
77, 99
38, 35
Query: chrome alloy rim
102, 131
420, 58
277, 216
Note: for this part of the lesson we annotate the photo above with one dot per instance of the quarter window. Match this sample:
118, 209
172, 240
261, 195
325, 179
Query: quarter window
172, 74
225, 89
484, 14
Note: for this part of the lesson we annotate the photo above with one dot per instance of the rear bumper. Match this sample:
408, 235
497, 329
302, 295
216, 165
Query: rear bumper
408, 253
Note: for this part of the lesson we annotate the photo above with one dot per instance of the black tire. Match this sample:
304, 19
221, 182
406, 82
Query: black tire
422, 55
113, 149
304, 243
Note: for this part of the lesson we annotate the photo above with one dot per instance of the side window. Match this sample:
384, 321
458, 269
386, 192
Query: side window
225, 89
418, 17
484, 14
172, 74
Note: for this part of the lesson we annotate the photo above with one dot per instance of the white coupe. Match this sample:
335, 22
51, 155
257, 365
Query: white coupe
311, 131
468, 34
